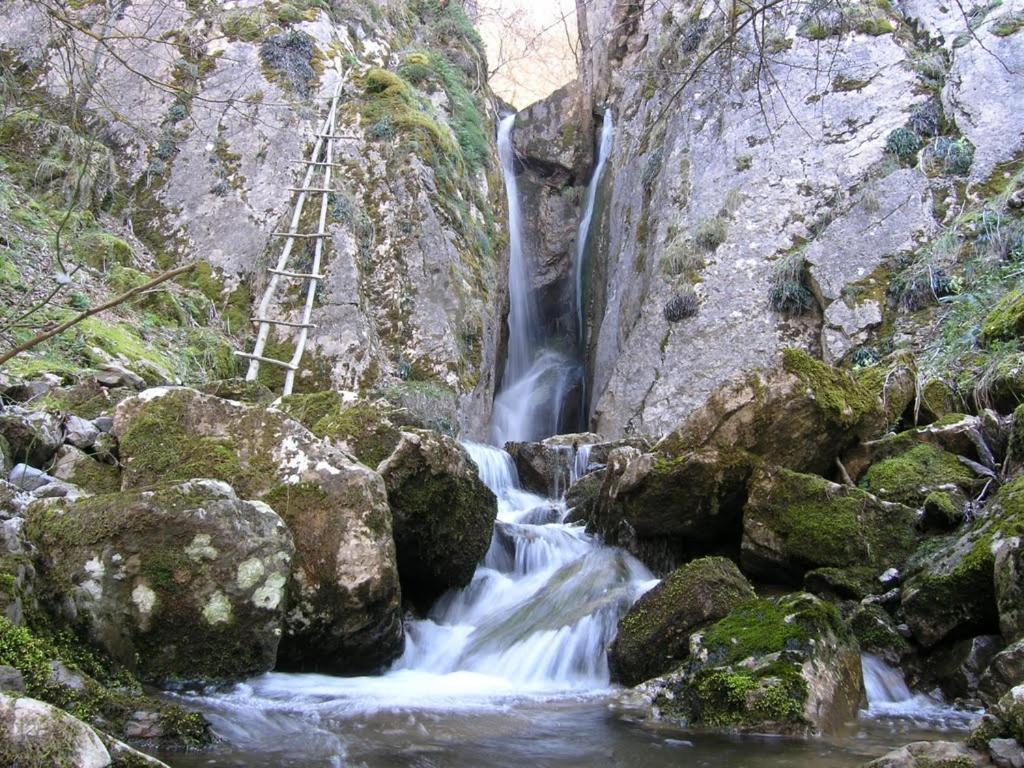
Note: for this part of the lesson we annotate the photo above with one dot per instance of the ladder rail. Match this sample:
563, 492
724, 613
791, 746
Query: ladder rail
323, 143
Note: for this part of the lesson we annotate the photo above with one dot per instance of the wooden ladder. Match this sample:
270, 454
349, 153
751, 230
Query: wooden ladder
321, 159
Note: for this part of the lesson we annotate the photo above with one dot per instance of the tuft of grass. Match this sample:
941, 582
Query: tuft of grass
789, 293
950, 156
711, 233
904, 144
684, 304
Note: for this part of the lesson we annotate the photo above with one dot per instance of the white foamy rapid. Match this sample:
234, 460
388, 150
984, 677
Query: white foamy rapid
890, 697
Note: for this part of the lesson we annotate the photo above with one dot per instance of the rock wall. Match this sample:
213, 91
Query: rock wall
211, 109
740, 181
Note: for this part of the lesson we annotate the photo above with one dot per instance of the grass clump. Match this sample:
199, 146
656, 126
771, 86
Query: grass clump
789, 292
685, 303
711, 233
949, 156
904, 144
247, 25
681, 258
289, 58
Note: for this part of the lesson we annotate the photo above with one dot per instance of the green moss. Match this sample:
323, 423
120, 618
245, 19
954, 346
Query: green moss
1006, 320
844, 400
1008, 24
939, 507
101, 249
875, 632
97, 477
727, 698
247, 24
909, 477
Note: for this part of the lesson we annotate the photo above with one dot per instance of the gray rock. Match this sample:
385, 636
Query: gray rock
80, 432
889, 578
6, 457
11, 679
959, 668
1009, 581
104, 423
922, 753
34, 436
27, 478
1004, 672
60, 674
143, 726
1006, 753
41, 736
112, 375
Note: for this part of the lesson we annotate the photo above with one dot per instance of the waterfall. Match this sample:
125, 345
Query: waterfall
583, 233
889, 696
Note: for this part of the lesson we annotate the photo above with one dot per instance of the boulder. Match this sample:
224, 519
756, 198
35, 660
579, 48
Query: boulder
654, 636
6, 457
548, 467
787, 665
34, 734
1004, 672
33, 436
1009, 582
876, 633
801, 414
582, 497
74, 466
667, 508
181, 581
344, 614
959, 667
239, 389
909, 477
80, 432
794, 523
926, 754
443, 514
114, 376
1010, 710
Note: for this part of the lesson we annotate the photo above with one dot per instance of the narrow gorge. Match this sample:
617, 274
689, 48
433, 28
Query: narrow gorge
351, 415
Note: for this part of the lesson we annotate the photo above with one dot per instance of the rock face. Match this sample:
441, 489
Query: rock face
416, 262
927, 753
35, 735
443, 514
711, 188
179, 582
344, 597
33, 437
664, 507
788, 665
794, 523
654, 636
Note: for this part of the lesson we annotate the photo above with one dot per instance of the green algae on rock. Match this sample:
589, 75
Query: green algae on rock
910, 477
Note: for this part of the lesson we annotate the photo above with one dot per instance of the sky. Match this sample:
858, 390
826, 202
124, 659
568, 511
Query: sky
529, 46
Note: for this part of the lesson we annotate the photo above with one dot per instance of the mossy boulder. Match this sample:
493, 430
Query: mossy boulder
443, 514
1015, 444
911, 476
654, 636
943, 511
369, 430
1004, 672
240, 390
180, 582
950, 582
582, 497
79, 468
667, 508
876, 633
794, 523
1010, 709
802, 414
931, 754
937, 400
786, 665
1006, 319
34, 734
345, 602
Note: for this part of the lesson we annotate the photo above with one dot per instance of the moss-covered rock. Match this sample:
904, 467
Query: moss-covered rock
909, 477
345, 602
33, 437
1004, 672
802, 414
937, 400
666, 508
6, 457
876, 633
582, 497
78, 468
942, 512
1010, 710
793, 523
786, 665
181, 582
443, 514
949, 588
1009, 583
240, 390
654, 636
931, 754
1006, 319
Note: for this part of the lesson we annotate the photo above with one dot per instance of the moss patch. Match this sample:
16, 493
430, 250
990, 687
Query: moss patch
1006, 320
844, 400
909, 477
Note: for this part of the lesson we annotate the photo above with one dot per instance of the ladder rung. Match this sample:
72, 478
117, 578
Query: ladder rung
287, 323
271, 360
303, 275
300, 234
310, 189
319, 162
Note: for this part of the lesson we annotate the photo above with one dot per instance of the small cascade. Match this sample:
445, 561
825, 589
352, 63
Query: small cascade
583, 233
890, 697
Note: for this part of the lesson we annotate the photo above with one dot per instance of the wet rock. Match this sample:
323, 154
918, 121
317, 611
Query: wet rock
1009, 582
662, 507
179, 582
34, 734
794, 523
11, 679
542, 468
582, 497
958, 668
1006, 753
930, 753
27, 478
787, 665
112, 376
654, 636
443, 514
800, 415
80, 433
1004, 672
344, 612
33, 436
877, 633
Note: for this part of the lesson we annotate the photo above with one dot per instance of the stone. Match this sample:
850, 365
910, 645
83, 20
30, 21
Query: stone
34, 734
800, 414
910, 477
1004, 672
33, 436
27, 478
787, 665
6, 457
1009, 582
958, 668
11, 679
1006, 753
582, 497
542, 469
666, 508
877, 633
112, 376
443, 514
1010, 709
61, 674
18, 588
794, 523
344, 613
930, 753
80, 469
182, 582
80, 432
654, 636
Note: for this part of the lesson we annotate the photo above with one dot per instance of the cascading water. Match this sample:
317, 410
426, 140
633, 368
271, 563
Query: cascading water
583, 233
889, 696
